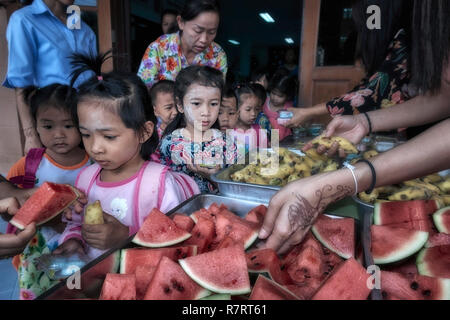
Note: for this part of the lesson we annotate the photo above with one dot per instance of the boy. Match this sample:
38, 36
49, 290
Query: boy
162, 96
228, 112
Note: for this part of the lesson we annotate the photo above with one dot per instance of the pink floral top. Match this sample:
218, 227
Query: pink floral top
163, 59
381, 90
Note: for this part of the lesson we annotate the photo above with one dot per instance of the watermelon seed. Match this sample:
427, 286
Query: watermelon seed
257, 264
167, 290
426, 293
282, 267
253, 258
384, 294
414, 285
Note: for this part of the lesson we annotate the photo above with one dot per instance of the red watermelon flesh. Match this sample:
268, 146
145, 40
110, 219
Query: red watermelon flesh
49, 200
228, 224
348, 282
395, 244
132, 258
202, 235
434, 262
438, 239
257, 215
203, 213
431, 288
338, 235
442, 220
144, 275
221, 271
419, 225
119, 287
225, 243
392, 212
183, 222
266, 260
306, 290
331, 261
266, 289
291, 256
308, 264
170, 282
158, 230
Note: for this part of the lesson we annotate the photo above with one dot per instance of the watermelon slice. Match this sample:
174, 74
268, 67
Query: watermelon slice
240, 230
158, 230
221, 271
144, 274
132, 258
338, 235
267, 261
438, 239
308, 264
183, 222
266, 289
170, 282
395, 244
434, 262
119, 287
306, 290
202, 235
257, 215
419, 225
396, 286
442, 220
225, 243
392, 212
349, 282
49, 200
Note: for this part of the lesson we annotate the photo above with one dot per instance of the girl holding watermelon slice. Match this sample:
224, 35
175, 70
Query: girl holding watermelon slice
117, 125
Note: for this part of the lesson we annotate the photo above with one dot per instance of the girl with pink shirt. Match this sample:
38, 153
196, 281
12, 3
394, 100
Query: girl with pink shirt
118, 132
282, 92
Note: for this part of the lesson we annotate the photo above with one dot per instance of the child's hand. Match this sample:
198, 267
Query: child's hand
107, 235
77, 207
204, 171
69, 247
12, 244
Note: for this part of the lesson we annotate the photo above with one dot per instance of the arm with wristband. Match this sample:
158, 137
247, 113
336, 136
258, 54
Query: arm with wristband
294, 209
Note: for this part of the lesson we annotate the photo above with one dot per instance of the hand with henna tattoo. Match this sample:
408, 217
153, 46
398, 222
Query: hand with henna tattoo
294, 209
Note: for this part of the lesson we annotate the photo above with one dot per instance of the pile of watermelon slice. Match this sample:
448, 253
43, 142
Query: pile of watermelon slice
209, 255
411, 244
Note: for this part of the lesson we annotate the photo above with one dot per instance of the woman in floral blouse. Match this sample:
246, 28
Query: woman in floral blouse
192, 45
385, 55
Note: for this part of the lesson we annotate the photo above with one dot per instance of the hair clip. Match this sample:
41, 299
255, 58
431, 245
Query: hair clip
99, 78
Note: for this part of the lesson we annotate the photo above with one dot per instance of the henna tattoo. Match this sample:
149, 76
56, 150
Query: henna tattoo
29, 132
302, 213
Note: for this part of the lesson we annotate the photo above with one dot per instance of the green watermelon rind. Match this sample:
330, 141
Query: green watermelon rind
21, 226
219, 296
210, 286
251, 240
377, 214
327, 245
142, 243
409, 249
123, 255
423, 269
437, 219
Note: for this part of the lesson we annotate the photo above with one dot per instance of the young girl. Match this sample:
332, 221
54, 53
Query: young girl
163, 103
228, 113
282, 91
117, 128
60, 162
193, 144
246, 132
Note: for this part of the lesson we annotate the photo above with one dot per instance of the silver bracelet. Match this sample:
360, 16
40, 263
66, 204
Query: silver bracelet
352, 170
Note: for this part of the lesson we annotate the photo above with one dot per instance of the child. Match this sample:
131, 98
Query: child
262, 119
192, 143
117, 128
261, 77
60, 162
246, 131
163, 103
228, 113
282, 91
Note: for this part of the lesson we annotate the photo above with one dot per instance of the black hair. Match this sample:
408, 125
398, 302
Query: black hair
228, 92
259, 91
241, 89
283, 83
169, 11
258, 74
373, 45
166, 86
193, 8
55, 95
124, 91
431, 44
201, 75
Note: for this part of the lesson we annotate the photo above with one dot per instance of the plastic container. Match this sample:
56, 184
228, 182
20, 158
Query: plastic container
315, 129
284, 117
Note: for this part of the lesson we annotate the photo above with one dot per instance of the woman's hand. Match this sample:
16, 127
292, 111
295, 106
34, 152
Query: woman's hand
353, 128
205, 172
107, 235
69, 247
12, 244
293, 210
301, 115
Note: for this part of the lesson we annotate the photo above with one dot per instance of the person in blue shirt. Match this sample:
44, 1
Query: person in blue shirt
40, 43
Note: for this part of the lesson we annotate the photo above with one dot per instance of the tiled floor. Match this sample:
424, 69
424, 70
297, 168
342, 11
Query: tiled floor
9, 287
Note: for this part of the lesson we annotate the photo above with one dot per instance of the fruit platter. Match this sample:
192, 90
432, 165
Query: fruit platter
209, 250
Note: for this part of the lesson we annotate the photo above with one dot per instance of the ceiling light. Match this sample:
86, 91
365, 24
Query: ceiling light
266, 17
289, 40
234, 42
